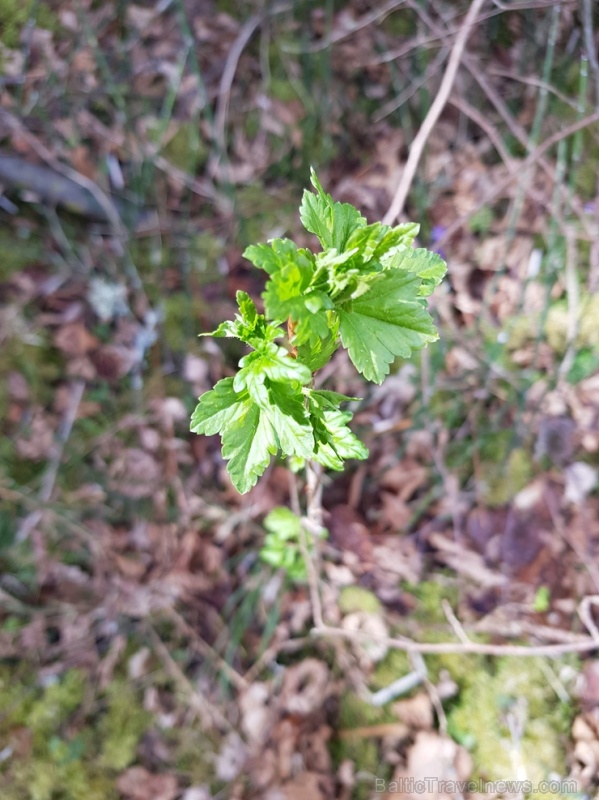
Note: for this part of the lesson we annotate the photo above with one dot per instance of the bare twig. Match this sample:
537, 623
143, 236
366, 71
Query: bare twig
92, 187
208, 712
584, 612
585, 645
589, 42
433, 115
51, 473
528, 162
456, 625
239, 682
480, 76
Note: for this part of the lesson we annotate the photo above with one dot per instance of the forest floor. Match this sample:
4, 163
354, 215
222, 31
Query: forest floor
148, 653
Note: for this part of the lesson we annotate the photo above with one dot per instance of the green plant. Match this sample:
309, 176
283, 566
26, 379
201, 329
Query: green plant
365, 290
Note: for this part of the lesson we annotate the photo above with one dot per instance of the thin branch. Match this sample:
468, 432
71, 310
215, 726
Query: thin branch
528, 162
589, 43
208, 712
207, 650
585, 645
51, 473
433, 115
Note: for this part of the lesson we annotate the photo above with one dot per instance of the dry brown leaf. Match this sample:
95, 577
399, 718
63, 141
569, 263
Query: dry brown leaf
139, 784
416, 712
305, 687
311, 785
75, 340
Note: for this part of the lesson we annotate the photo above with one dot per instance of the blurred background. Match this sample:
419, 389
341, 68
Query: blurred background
148, 652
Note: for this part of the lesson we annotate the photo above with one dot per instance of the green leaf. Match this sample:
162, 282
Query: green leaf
429, 266
249, 326
277, 254
251, 433
283, 523
216, 408
288, 295
386, 322
332, 222
316, 353
270, 362
373, 241
334, 441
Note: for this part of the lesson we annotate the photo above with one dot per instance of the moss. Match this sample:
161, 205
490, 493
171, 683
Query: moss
122, 726
18, 249
519, 695
186, 150
362, 751
357, 598
57, 703
430, 595
195, 751
55, 740
180, 315
395, 664
557, 326
40, 724
14, 14
501, 480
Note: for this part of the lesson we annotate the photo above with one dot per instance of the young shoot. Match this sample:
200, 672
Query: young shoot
364, 290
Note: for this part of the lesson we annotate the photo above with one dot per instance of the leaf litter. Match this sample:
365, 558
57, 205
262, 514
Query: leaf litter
481, 485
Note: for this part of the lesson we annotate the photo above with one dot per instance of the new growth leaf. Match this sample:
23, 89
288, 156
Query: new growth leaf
364, 289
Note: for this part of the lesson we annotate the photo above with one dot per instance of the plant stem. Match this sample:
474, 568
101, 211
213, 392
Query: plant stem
314, 494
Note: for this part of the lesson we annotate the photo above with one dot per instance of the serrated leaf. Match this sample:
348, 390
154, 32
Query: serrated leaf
316, 353
403, 234
288, 295
248, 326
329, 399
429, 266
386, 322
277, 254
334, 441
332, 222
251, 433
284, 293
248, 441
216, 408
272, 363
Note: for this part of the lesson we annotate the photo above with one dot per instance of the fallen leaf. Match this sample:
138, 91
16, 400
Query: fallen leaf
139, 784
